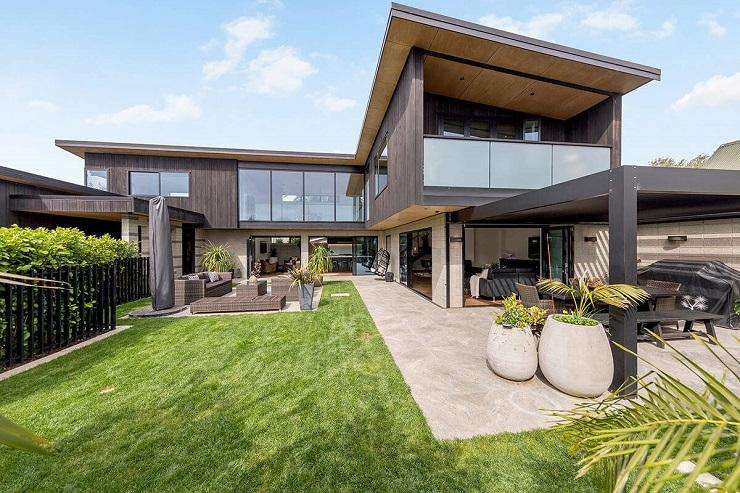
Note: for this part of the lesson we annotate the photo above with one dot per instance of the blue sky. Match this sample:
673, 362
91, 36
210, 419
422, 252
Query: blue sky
296, 75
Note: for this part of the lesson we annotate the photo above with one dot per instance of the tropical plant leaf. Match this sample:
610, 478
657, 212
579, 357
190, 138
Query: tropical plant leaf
19, 438
643, 440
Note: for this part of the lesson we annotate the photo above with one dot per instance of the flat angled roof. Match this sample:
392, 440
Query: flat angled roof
80, 147
532, 70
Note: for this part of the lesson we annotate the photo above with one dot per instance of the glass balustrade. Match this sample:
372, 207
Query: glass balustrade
481, 163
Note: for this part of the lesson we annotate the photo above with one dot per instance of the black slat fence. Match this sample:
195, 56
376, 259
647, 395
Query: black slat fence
35, 321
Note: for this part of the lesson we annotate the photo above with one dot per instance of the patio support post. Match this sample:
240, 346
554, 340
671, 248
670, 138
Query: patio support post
623, 269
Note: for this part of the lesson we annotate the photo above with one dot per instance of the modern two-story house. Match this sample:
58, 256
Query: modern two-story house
479, 149
459, 115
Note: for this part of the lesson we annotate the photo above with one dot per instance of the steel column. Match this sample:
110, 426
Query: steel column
623, 186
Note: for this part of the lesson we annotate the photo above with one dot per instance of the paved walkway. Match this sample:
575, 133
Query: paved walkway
441, 354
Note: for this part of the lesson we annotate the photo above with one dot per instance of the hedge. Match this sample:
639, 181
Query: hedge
25, 249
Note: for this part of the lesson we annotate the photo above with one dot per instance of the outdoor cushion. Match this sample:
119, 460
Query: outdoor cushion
213, 277
192, 277
203, 275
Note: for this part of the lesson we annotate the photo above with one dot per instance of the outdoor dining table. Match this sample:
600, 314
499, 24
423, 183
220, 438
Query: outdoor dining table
652, 320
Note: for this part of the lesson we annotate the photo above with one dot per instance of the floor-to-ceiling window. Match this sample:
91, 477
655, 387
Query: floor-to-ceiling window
349, 254
273, 254
415, 261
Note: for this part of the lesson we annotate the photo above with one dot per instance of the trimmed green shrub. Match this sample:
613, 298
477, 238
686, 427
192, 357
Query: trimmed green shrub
23, 250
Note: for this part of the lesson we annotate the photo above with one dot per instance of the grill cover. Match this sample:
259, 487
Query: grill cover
712, 279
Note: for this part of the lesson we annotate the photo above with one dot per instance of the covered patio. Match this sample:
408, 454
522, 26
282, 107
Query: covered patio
624, 197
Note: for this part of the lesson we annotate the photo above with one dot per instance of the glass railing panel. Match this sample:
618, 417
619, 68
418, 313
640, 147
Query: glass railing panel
456, 163
573, 161
520, 165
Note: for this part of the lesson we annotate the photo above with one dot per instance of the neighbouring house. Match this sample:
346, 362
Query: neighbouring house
478, 148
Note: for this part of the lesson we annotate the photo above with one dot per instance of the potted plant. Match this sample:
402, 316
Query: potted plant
304, 279
320, 263
216, 258
511, 351
574, 351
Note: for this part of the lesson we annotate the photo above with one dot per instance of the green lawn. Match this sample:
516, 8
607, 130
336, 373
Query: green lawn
283, 402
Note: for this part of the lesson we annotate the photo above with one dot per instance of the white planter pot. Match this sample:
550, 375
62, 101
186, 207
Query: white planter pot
511, 353
576, 359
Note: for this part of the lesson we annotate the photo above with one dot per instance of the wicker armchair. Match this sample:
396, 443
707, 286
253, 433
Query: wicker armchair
530, 297
189, 290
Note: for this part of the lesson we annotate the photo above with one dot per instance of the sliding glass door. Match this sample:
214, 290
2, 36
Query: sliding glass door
415, 261
558, 253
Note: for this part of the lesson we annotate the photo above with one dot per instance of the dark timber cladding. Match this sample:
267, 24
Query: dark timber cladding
403, 125
212, 184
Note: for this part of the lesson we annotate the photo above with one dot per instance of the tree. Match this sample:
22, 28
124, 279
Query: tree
668, 162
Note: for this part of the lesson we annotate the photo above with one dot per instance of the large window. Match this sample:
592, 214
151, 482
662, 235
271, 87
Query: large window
287, 196
97, 178
319, 196
381, 169
297, 196
174, 184
144, 183
509, 127
152, 183
349, 196
531, 130
254, 195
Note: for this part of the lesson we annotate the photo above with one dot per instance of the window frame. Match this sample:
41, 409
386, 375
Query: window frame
98, 170
376, 161
539, 129
267, 167
158, 172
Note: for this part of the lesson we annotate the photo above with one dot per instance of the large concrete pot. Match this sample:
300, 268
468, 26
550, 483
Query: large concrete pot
576, 359
305, 296
511, 353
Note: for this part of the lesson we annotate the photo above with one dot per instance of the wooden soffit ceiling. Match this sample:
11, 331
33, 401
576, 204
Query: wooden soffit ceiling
518, 57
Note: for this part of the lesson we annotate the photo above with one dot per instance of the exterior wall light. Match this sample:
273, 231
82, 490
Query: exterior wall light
590, 239
677, 238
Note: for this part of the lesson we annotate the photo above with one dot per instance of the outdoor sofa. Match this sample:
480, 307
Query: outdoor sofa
501, 282
189, 290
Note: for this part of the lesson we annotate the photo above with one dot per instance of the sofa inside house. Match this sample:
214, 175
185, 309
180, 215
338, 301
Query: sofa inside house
192, 287
500, 282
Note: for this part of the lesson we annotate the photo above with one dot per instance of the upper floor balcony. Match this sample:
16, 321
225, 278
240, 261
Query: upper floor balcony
506, 164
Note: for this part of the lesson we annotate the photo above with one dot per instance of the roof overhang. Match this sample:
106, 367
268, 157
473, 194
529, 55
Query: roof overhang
80, 147
111, 208
483, 56
663, 195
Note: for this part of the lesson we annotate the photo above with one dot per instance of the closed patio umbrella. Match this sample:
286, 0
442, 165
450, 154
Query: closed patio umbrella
161, 272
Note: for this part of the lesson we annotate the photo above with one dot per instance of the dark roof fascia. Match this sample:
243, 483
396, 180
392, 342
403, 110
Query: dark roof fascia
26, 178
525, 42
81, 145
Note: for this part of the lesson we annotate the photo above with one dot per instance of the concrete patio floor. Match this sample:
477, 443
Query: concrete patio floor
441, 355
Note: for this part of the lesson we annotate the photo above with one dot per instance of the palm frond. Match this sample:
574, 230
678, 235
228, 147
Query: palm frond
620, 295
554, 286
17, 437
643, 441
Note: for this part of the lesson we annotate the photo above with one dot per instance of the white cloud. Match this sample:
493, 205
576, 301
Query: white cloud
175, 108
714, 28
278, 72
242, 33
42, 105
537, 27
666, 29
333, 104
715, 91
614, 18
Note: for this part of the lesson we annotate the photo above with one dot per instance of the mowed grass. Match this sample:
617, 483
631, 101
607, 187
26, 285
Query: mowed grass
281, 402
